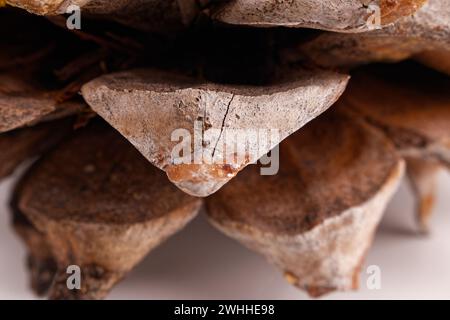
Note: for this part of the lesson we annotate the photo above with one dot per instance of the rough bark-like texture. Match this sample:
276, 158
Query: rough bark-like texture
427, 30
315, 219
146, 106
149, 15
102, 207
333, 15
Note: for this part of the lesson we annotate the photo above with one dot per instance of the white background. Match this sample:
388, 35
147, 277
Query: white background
201, 263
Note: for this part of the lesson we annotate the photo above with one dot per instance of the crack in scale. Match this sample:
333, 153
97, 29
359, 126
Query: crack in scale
223, 125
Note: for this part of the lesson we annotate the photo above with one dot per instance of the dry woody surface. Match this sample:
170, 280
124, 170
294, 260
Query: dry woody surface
355, 95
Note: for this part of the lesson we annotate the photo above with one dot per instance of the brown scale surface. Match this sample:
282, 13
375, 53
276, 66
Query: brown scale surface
99, 177
413, 103
21, 144
318, 178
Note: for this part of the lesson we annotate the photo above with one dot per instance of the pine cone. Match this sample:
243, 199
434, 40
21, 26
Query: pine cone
155, 110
